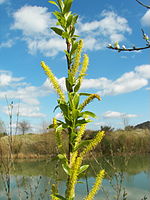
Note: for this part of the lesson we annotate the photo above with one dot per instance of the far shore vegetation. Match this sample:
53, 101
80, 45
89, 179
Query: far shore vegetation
131, 140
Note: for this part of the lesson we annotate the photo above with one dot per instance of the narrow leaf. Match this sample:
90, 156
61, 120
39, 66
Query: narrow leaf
88, 113
57, 30
53, 2
68, 4
84, 94
60, 197
66, 168
82, 144
83, 168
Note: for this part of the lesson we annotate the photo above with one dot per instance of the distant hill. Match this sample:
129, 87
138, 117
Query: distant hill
145, 125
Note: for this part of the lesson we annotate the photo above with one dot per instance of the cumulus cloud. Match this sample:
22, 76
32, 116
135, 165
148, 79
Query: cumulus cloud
114, 114
25, 110
2, 1
16, 88
145, 20
59, 116
34, 22
7, 44
109, 28
128, 82
6, 79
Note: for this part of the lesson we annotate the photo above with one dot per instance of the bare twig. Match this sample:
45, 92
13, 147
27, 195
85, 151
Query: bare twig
146, 6
129, 49
123, 48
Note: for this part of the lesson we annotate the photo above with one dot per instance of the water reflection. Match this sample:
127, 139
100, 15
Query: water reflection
33, 179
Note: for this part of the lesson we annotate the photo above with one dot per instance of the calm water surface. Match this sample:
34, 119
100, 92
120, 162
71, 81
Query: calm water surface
33, 179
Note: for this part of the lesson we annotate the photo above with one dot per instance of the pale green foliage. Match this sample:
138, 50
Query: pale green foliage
75, 119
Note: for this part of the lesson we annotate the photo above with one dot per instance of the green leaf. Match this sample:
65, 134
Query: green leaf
59, 128
60, 4
53, 2
76, 100
83, 168
62, 157
64, 109
72, 31
88, 113
74, 47
65, 35
82, 144
68, 4
60, 197
84, 94
69, 21
56, 108
75, 19
68, 85
66, 168
81, 121
51, 126
77, 87
57, 30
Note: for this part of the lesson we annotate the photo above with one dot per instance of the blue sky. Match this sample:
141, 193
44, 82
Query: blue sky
121, 79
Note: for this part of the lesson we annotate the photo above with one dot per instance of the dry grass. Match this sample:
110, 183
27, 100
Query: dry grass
43, 145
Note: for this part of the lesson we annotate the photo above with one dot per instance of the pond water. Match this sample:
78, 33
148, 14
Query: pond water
32, 179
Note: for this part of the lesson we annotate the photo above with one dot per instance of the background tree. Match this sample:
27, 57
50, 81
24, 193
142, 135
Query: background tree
24, 126
107, 129
2, 128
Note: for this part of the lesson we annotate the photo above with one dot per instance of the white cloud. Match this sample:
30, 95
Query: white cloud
34, 22
109, 28
143, 71
128, 82
145, 20
6, 79
59, 116
49, 47
7, 44
148, 88
25, 110
114, 114
2, 1
48, 86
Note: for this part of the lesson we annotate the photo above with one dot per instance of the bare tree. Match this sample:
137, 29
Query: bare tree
24, 126
2, 127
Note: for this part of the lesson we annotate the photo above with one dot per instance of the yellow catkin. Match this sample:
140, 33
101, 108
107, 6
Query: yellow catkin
93, 143
84, 66
57, 135
76, 64
53, 81
73, 178
73, 158
80, 134
54, 122
89, 99
96, 186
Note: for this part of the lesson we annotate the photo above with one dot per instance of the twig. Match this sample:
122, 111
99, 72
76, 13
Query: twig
146, 6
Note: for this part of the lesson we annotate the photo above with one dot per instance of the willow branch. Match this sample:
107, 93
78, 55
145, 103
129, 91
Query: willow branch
129, 49
146, 6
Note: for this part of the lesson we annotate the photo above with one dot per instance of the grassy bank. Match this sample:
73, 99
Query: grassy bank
42, 145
